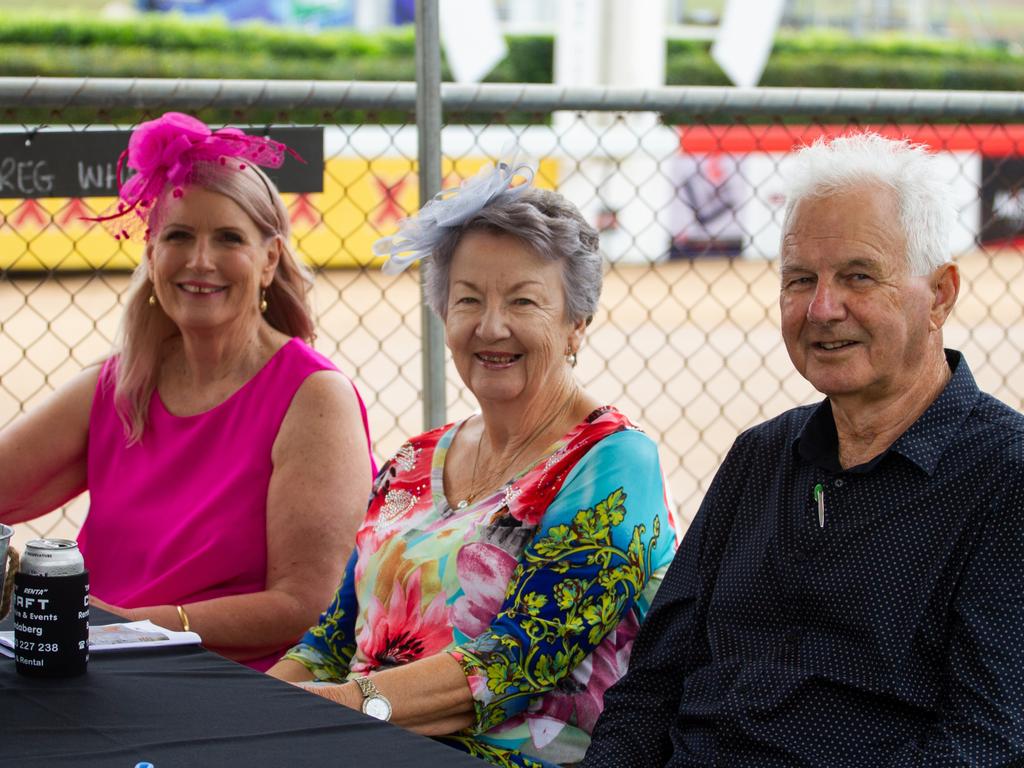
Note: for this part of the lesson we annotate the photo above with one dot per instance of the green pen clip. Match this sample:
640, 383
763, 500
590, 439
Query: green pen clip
819, 496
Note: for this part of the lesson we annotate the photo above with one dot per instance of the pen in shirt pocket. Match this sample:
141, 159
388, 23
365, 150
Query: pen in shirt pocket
819, 496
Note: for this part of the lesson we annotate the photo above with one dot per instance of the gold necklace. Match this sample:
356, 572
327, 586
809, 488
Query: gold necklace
476, 461
488, 482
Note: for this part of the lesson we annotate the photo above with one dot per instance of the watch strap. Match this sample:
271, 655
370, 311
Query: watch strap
367, 687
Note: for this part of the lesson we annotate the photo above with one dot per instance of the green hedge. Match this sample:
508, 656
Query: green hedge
88, 46
167, 46
170, 33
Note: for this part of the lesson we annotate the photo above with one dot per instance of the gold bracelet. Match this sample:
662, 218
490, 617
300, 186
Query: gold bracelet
184, 618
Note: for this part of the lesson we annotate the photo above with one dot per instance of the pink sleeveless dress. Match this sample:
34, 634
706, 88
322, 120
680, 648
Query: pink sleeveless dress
182, 516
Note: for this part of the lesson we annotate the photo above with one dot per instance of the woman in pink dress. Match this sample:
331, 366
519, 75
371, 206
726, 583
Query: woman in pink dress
227, 462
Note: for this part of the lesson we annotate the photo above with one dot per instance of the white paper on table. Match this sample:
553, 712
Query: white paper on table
120, 637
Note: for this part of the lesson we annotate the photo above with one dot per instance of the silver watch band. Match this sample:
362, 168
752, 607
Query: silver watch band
367, 687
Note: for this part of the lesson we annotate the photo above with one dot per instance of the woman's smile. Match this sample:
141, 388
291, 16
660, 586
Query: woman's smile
497, 360
201, 289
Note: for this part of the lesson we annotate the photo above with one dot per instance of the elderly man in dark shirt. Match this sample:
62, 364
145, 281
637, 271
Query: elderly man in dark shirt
851, 591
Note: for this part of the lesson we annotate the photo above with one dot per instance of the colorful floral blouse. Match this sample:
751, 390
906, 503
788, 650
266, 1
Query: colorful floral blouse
537, 591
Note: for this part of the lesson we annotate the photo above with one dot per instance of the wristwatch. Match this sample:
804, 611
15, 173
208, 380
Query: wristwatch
375, 704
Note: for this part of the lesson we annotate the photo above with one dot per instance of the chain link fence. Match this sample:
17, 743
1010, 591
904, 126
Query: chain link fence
685, 184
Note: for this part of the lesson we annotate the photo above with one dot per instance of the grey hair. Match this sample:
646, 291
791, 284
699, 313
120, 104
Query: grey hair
911, 171
545, 222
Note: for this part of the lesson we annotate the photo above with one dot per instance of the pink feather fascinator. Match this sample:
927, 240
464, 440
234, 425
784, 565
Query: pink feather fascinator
166, 151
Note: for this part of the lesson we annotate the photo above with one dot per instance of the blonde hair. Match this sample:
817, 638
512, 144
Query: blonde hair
144, 328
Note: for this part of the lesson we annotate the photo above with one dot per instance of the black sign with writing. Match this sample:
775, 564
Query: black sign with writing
84, 163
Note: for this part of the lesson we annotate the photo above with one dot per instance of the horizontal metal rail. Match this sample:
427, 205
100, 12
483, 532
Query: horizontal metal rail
109, 93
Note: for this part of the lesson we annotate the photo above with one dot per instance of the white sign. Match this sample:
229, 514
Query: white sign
472, 39
744, 40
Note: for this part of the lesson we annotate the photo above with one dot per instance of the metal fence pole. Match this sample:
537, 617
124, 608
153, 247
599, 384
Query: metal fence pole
428, 130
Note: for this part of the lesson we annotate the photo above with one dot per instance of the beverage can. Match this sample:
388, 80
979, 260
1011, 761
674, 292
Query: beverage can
52, 557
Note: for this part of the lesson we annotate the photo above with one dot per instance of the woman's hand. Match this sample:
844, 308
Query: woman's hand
430, 696
346, 694
130, 614
291, 672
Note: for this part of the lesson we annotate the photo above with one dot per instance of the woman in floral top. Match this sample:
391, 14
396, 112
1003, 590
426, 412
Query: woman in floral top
506, 561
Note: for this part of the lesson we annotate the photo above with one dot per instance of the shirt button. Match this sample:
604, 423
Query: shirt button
799, 556
793, 637
839, 482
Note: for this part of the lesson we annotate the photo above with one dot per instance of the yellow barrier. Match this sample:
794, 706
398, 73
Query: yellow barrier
362, 201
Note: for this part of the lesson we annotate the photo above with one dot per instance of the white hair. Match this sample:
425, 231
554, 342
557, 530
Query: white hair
911, 171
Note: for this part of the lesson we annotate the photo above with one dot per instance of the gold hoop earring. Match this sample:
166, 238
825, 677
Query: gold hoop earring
152, 299
263, 300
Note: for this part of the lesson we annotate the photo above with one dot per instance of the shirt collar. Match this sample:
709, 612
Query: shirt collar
924, 441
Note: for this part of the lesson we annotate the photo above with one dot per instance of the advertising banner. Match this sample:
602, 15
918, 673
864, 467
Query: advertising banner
308, 13
730, 183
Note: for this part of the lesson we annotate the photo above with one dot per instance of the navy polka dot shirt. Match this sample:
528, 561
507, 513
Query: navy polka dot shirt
892, 636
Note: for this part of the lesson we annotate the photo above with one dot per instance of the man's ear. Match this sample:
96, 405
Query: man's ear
945, 285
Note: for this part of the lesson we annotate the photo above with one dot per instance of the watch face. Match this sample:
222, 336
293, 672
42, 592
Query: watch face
377, 707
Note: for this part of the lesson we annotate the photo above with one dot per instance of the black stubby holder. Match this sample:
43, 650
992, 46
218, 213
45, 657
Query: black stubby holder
51, 624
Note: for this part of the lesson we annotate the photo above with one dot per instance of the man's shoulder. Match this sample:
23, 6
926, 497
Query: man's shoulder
768, 441
782, 429
993, 427
996, 414
982, 420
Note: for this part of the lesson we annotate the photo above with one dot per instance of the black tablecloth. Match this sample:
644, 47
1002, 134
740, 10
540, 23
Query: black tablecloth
187, 707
